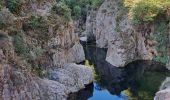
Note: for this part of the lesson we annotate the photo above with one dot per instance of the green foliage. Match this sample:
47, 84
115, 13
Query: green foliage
6, 18
162, 59
79, 8
34, 22
161, 36
14, 6
145, 10
95, 3
89, 64
36, 52
141, 11
77, 11
39, 27
117, 28
20, 45
62, 9
40, 72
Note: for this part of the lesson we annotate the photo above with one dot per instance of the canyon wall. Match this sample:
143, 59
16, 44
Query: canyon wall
38, 52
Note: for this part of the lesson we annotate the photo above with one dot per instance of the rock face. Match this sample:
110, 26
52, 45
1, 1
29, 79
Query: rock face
65, 46
73, 76
90, 26
164, 93
16, 85
114, 31
18, 82
49, 46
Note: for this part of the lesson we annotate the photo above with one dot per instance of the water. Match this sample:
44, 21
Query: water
139, 80
99, 94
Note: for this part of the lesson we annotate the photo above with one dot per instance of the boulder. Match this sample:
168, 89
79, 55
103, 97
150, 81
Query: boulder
73, 76
16, 84
164, 93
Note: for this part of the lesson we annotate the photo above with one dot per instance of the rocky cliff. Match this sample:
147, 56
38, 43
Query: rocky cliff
38, 52
115, 31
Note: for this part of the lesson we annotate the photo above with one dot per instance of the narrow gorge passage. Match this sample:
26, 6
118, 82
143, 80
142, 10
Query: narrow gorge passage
138, 80
84, 49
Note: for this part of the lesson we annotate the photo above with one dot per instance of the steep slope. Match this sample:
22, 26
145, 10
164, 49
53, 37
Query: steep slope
36, 41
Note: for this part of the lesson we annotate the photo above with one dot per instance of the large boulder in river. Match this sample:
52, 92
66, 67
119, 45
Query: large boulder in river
164, 93
73, 76
115, 31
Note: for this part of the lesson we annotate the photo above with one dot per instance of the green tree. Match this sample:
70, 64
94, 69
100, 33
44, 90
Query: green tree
77, 11
62, 9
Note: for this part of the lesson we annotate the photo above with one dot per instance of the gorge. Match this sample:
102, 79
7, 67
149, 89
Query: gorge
84, 50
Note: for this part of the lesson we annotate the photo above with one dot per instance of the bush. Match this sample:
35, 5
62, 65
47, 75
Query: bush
96, 3
6, 18
20, 46
33, 22
62, 9
77, 11
79, 7
145, 10
14, 5
161, 36
36, 53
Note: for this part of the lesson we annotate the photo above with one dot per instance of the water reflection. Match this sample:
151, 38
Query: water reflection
139, 80
83, 94
103, 94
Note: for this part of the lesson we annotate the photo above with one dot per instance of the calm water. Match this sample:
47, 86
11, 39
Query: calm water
104, 94
139, 80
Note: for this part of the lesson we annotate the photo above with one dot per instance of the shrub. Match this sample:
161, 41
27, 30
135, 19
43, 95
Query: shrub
6, 18
162, 59
96, 3
14, 5
62, 9
77, 11
36, 53
145, 10
19, 44
33, 22
79, 7
161, 36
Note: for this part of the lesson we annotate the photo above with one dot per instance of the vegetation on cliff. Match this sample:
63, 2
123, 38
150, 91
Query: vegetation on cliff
147, 10
153, 19
80, 8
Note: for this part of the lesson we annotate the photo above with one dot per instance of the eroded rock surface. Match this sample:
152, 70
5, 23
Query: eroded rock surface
48, 48
18, 85
164, 93
115, 31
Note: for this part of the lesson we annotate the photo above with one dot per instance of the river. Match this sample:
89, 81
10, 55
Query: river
138, 80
